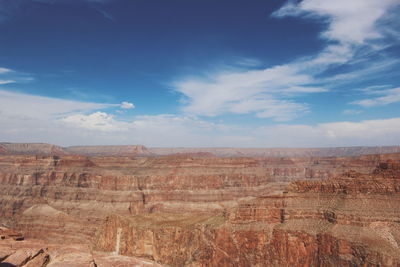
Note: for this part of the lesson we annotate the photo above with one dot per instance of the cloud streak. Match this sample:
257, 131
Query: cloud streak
263, 92
6, 81
354, 35
8, 9
4, 70
351, 22
388, 96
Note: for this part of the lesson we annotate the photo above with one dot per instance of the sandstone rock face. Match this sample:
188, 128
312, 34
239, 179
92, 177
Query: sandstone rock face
304, 226
36, 253
198, 210
6, 233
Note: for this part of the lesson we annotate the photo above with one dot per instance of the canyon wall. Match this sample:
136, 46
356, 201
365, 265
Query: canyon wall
350, 220
191, 210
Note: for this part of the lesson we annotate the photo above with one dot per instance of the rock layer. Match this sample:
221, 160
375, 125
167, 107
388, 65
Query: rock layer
189, 210
36, 253
314, 223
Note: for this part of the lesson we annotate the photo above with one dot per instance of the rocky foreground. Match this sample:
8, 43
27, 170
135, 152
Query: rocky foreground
200, 210
36, 253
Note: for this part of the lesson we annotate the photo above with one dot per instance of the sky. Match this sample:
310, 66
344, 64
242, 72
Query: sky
200, 73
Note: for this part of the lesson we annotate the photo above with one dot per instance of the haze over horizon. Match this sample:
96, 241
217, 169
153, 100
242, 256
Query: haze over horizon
197, 73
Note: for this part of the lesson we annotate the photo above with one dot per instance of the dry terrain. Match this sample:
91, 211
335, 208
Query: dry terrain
192, 208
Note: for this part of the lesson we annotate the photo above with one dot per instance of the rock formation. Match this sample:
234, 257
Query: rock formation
124, 151
53, 150
139, 150
199, 210
281, 152
350, 220
36, 253
31, 149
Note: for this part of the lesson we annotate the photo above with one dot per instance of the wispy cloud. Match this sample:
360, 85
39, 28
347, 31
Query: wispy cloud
388, 96
27, 106
4, 70
105, 14
9, 8
263, 92
351, 111
6, 81
354, 34
8, 76
351, 22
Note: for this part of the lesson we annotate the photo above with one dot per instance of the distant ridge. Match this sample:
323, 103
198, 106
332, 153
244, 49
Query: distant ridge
281, 152
129, 150
31, 149
49, 149
140, 150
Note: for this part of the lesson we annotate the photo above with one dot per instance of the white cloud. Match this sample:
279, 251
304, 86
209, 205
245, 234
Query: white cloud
389, 96
6, 81
32, 107
127, 105
263, 92
8, 76
368, 131
268, 93
27, 118
96, 121
4, 70
272, 92
349, 21
335, 134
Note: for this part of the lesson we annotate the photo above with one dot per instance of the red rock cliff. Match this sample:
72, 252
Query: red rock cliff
204, 211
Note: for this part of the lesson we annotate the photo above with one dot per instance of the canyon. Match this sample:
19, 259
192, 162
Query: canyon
143, 206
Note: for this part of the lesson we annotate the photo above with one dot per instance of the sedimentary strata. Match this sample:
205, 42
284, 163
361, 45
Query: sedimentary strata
198, 210
36, 253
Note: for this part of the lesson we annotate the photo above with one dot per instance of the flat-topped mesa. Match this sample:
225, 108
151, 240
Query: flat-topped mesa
31, 149
124, 151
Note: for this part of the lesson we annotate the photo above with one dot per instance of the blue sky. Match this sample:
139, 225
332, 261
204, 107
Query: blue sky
269, 73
